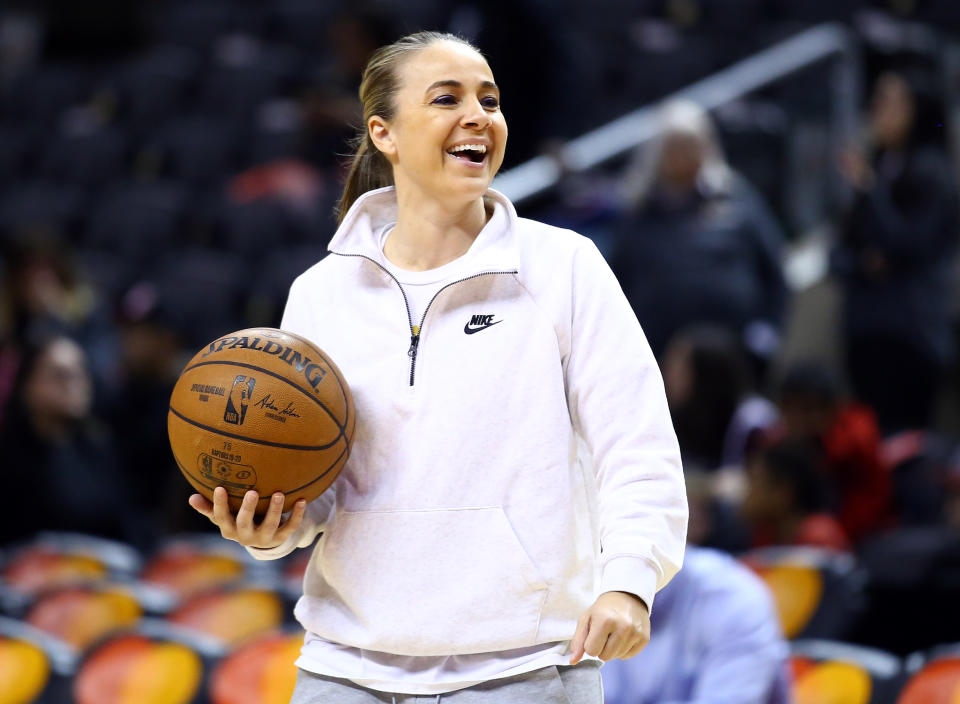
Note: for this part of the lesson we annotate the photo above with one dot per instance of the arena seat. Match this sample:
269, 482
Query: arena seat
137, 219
41, 95
258, 672
152, 87
80, 616
55, 560
231, 615
87, 159
245, 75
18, 143
831, 672
818, 593
934, 677
188, 565
209, 286
196, 149
41, 204
155, 663
35, 668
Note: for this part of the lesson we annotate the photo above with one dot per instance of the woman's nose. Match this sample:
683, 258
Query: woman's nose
474, 116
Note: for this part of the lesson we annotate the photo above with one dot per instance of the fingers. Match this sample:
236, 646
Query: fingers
576, 644
271, 521
600, 631
293, 520
248, 507
201, 505
637, 648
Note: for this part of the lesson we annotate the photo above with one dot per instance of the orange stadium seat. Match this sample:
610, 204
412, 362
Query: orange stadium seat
231, 615
153, 664
187, 567
937, 681
829, 672
82, 615
818, 593
260, 672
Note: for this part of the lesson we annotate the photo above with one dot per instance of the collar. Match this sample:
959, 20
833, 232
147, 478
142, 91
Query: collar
495, 248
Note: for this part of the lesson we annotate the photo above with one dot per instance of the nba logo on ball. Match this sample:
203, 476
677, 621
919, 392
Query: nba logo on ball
286, 424
239, 397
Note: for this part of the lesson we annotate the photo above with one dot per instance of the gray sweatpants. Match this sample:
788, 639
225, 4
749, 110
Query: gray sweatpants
551, 685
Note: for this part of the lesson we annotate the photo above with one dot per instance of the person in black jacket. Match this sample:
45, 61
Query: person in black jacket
697, 244
894, 260
60, 466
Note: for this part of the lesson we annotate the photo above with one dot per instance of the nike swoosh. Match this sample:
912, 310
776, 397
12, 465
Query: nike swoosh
469, 330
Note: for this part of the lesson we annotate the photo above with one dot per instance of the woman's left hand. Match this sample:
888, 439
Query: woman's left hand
616, 626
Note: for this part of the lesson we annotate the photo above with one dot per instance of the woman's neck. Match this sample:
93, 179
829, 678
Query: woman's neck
428, 234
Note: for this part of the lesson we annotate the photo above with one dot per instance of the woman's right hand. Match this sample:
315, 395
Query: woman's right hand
271, 532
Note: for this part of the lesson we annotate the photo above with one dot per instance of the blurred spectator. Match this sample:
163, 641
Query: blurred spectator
60, 464
331, 104
846, 440
153, 355
787, 499
715, 638
697, 244
894, 258
44, 295
709, 387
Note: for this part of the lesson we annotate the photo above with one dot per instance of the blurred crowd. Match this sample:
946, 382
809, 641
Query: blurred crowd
166, 169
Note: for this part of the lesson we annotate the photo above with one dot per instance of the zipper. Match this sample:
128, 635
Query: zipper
415, 329
415, 339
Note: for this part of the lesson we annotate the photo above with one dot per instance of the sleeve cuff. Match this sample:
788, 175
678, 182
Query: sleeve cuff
276, 553
634, 575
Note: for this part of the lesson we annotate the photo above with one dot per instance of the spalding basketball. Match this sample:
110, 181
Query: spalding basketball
261, 409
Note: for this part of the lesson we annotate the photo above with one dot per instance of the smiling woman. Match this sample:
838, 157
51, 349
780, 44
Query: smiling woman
514, 499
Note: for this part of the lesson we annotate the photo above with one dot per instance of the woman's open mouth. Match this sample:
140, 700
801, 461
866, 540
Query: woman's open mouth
472, 154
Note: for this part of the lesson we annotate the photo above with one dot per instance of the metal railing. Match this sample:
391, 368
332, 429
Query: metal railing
762, 69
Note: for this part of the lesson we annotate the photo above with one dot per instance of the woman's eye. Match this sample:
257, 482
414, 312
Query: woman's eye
490, 102
445, 100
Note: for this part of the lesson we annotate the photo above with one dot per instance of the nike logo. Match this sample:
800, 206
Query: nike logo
479, 322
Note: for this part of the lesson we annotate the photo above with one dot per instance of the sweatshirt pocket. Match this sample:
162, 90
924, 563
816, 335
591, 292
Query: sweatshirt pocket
430, 582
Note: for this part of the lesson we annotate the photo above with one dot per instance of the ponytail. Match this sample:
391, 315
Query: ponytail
369, 168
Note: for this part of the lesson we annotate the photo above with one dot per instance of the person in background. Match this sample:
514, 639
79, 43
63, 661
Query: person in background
787, 499
846, 441
894, 259
60, 463
716, 411
696, 244
43, 295
716, 638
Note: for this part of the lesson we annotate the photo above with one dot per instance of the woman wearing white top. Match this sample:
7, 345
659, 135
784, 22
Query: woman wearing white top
514, 498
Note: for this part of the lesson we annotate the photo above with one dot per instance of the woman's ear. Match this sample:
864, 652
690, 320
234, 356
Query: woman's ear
382, 137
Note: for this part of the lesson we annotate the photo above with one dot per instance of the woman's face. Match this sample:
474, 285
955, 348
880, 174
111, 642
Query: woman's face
892, 110
446, 99
60, 387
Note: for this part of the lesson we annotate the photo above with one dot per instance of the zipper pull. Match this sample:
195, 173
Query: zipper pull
414, 341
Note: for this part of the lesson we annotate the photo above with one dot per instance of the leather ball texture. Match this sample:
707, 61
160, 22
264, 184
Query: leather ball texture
261, 409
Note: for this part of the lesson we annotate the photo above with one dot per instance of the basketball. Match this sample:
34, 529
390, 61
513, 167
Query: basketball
261, 409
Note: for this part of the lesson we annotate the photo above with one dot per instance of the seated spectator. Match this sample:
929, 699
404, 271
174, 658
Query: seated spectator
846, 440
60, 465
894, 259
153, 355
786, 499
716, 413
44, 295
715, 638
697, 244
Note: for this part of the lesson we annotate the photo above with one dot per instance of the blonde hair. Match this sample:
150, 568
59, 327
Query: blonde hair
369, 168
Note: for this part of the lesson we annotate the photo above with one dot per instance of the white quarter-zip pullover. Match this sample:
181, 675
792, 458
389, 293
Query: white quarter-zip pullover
466, 520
